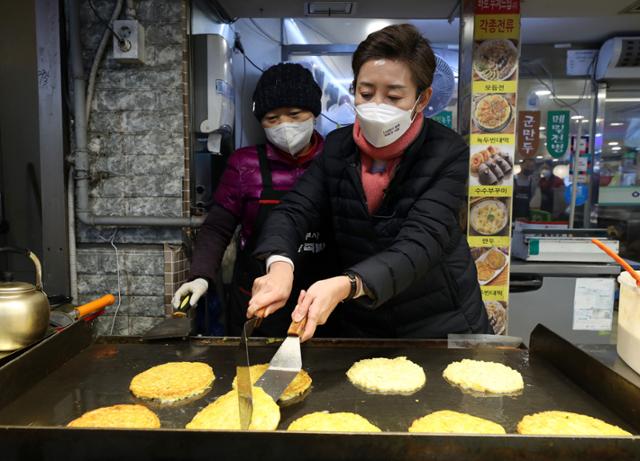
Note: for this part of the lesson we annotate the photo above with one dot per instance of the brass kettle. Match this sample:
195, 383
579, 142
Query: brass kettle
24, 308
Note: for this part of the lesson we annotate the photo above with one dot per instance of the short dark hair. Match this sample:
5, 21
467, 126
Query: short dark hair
401, 42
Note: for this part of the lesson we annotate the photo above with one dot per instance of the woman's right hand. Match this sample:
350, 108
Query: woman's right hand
270, 292
196, 288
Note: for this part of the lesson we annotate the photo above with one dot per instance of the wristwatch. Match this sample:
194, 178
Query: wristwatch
354, 285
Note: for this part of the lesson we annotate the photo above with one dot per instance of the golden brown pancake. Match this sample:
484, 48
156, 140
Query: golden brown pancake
495, 259
322, 421
128, 416
297, 387
223, 414
387, 376
456, 423
172, 381
487, 377
566, 423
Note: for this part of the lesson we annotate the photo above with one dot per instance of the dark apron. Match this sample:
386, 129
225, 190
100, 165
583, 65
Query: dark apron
521, 199
312, 263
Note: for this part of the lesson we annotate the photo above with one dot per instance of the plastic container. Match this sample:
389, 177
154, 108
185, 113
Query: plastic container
629, 321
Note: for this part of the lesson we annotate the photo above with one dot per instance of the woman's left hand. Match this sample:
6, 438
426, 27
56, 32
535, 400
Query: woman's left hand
318, 302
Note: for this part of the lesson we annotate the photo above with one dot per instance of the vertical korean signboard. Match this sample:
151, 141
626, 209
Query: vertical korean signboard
492, 142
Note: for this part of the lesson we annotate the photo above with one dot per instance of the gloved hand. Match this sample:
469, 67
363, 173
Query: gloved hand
196, 287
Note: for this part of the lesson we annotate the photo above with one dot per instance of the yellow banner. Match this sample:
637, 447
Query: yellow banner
488, 241
492, 139
496, 26
510, 86
498, 293
490, 191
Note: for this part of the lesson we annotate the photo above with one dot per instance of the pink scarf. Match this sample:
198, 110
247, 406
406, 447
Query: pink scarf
379, 163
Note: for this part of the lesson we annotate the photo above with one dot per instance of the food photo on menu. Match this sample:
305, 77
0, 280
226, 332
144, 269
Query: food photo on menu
491, 166
497, 312
489, 216
491, 265
493, 113
495, 60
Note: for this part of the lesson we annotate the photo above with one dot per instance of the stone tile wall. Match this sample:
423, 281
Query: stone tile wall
137, 131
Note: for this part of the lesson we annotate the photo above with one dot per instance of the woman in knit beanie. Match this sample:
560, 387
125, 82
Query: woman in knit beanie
391, 186
286, 102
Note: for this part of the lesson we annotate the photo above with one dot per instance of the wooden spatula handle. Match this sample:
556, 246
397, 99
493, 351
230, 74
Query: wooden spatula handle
297, 328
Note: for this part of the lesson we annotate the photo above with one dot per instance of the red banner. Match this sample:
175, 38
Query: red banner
528, 133
497, 7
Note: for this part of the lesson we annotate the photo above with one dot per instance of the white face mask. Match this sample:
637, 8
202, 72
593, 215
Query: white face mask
291, 137
382, 124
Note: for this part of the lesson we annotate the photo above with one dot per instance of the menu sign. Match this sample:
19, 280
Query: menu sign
528, 133
444, 117
558, 132
492, 146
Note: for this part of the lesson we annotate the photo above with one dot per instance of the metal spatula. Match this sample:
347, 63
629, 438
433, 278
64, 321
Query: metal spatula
285, 364
245, 395
177, 326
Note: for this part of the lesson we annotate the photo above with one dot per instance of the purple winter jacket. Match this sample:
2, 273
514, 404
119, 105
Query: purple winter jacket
236, 201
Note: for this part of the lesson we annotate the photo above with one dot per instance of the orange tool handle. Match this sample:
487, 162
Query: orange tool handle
94, 305
297, 328
618, 259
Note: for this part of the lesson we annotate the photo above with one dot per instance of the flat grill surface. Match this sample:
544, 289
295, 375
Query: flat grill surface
100, 374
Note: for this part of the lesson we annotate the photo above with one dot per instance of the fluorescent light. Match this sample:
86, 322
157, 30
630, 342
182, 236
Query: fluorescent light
571, 96
555, 160
543, 93
577, 117
598, 135
585, 121
613, 143
622, 100
539, 156
616, 148
616, 124
542, 128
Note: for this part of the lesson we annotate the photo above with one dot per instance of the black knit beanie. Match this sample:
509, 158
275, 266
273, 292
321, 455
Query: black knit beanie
286, 85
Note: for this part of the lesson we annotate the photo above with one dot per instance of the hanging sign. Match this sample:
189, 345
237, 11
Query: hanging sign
494, 118
444, 117
528, 133
558, 132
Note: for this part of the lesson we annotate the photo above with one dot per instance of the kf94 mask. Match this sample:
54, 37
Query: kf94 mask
382, 124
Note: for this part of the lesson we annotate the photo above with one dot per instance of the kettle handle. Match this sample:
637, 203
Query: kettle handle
34, 259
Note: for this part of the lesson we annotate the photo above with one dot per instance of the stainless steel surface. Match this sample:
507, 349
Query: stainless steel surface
245, 391
173, 327
563, 269
551, 305
179, 325
24, 309
283, 368
550, 298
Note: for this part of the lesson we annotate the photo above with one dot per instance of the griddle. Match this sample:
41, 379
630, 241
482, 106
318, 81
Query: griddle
74, 372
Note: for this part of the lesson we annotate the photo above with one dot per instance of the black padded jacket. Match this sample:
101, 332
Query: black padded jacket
411, 253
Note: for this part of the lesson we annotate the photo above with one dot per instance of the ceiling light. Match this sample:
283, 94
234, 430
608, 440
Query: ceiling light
542, 128
616, 124
543, 93
613, 143
577, 117
585, 121
616, 148
539, 157
623, 100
